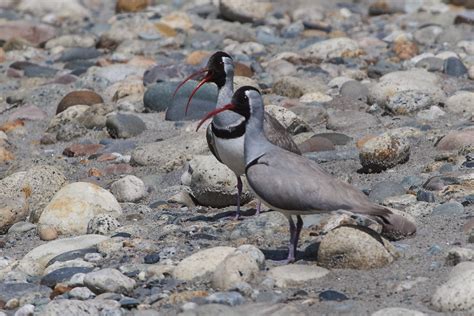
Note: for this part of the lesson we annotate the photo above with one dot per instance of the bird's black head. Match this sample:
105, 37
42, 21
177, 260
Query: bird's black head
245, 101
220, 64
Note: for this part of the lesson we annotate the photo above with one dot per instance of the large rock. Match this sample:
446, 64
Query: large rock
334, 47
384, 152
294, 87
35, 261
351, 248
403, 81
457, 294
212, 183
13, 201
69, 307
461, 102
244, 11
293, 123
172, 153
350, 120
109, 280
296, 275
75, 205
202, 262
456, 140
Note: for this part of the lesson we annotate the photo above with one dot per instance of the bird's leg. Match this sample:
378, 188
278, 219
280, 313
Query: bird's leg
293, 239
239, 193
259, 207
299, 226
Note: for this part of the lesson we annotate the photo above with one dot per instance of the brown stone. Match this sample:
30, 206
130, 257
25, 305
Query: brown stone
11, 125
405, 49
131, 5
197, 57
316, 143
360, 143
46, 232
120, 168
2, 55
5, 155
165, 30
34, 33
107, 157
243, 70
456, 140
469, 226
78, 150
94, 172
186, 296
84, 97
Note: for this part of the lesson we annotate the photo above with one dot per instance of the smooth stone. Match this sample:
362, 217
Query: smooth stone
316, 143
159, 97
337, 139
425, 196
292, 122
461, 102
82, 97
71, 40
294, 87
384, 189
457, 294
397, 311
36, 71
381, 68
202, 262
383, 152
72, 255
152, 258
35, 33
235, 269
456, 140
354, 90
13, 209
334, 155
331, 295
75, 205
117, 72
78, 53
81, 293
10, 291
109, 280
71, 10
350, 248
449, 209
212, 183
129, 302
334, 47
28, 112
431, 64
296, 275
454, 67
350, 120
128, 189
410, 80
21, 227
226, 298
131, 5
244, 11
69, 307
102, 224
62, 275
124, 125
35, 261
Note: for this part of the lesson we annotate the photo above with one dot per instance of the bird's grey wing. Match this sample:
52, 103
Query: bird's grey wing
291, 182
211, 143
278, 135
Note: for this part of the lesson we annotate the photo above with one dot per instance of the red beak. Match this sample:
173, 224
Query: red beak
226, 107
200, 84
189, 78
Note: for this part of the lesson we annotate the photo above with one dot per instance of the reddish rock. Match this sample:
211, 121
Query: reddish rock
405, 49
78, 150
131, 5
29, 112
84, 97
121, 168
456, 140
35, 33
94, 172
197, 57
11, 125
316, 143
107, 157
5, 155
243, 70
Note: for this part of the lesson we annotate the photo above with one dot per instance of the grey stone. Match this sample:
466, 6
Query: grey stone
69, 307
381, 68
461, 102
431, 64
244, 11
124, 125
79, 53
449, 209
62, 275
81, 293
407, 102
21, 227
457, 294
296, 275
128, 189
109, 280
350, 120
36, 71
10, 291
227, 298
335, 47
354, 90
294, 87
454, 67
385, 189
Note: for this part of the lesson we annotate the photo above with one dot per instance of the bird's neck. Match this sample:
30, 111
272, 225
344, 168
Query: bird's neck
225, 92
256, 143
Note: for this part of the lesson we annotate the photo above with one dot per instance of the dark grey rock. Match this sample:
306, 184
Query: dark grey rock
78, 53
152, 258
129, 302
425, 196
34, 71
331, 295
124, 125
454, 67
381, 68
449, 209
334, 155
412, 182
384, 189
267, 36
431, 64
117, 145
437, 183
159, 97
338, 139
354, 90
227, 298
61, 275
71, 255
70, 131
19, 290
292, 30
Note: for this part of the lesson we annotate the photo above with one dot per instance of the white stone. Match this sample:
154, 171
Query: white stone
334, 47
296, 275
109, 280
236, 268
81, 293
457, 294
128, 189
62, 9
71, 209
397, 311
201, 262
34, 262
461, 102
293, 123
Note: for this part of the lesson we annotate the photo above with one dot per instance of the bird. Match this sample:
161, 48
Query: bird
293, 184
225, 135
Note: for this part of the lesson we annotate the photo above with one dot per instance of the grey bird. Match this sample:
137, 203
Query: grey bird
293, 184
225, 135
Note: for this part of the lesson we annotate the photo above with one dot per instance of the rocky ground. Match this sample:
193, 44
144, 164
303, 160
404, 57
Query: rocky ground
111, 203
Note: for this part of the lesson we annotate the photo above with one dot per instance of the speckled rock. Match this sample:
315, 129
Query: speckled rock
335, 47
128, 189
408, 102
244, 11
461, 102
457, 294
202, 262
74, 205
295, 275
383, 152
212, 183
236, 268
350, 248
293, 123
102, 224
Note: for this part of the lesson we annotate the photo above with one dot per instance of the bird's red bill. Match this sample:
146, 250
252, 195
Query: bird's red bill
226, 107
189, 78
203, 81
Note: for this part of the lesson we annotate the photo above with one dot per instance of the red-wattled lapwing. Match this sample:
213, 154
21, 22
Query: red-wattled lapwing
293, 184
225, 135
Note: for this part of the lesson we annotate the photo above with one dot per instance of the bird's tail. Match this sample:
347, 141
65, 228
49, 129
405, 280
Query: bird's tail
394, 226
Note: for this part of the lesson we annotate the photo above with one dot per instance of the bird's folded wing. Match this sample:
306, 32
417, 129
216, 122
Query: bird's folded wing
278, 135
211, 143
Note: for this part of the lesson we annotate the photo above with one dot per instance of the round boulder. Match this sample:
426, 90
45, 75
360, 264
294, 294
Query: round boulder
384, 152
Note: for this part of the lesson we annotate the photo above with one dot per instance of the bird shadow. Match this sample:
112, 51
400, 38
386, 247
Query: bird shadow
221, 215
308, 254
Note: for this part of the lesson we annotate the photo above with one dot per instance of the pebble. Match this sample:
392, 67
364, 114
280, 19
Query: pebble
109, 280
128, 189
62, 275
456, 140
102, 224
75, 205
294, 87
85, 97
381, 190
226, 298
354, 90
294, 124
407, 102
124, 125
461, 102
350, 248
331, 295
47, 232
431, 64
78, 150
449, 209
295, 275
131, 5
383, 152
316, 143
425, 196
335, 47
454, 67
81, 293
236, 268
152, 258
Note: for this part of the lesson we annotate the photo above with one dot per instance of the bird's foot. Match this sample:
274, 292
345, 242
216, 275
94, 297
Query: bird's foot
237, 216
259, 208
